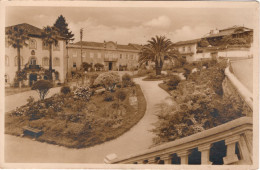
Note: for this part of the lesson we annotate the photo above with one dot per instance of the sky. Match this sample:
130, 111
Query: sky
131, 24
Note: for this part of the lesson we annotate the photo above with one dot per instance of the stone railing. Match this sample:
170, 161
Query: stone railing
236, 136
245, 94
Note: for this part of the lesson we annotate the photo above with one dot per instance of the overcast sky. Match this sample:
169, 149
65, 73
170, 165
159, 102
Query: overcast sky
133, 25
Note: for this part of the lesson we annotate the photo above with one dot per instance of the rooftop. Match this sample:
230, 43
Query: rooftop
102, 45
32, 30
194, 41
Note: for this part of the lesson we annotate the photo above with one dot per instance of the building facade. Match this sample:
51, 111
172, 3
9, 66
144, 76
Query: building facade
34, 58
110, 54
234, 42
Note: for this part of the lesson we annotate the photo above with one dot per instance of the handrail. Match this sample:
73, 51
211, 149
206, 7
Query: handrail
232, 129
246, 95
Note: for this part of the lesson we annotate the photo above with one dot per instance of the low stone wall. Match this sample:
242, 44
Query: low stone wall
236, 91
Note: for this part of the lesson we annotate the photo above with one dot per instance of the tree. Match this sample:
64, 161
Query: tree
157, 50
17, 38
42, 87
50, 37
64, 31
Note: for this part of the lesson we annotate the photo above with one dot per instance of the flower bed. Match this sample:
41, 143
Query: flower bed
200, 105
78, 119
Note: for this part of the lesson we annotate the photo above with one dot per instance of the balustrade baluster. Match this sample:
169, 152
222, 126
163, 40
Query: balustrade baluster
231, 156
184, 156
205, 150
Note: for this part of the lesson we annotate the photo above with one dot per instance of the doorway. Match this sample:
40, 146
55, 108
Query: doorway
32, 78
110, 66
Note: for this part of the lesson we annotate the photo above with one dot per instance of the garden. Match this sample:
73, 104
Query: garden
81, 116
199, 103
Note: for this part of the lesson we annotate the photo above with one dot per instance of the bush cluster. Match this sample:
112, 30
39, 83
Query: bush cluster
108, 80
173, 82
83, 93
127, 81
200, 105
65, 90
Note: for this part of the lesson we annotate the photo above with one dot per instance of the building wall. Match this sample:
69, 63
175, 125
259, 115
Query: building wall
99, 55
40, 53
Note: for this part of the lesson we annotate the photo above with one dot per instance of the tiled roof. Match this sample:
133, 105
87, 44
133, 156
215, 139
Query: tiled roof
235, 27
187, 42
91, 44
101, 45
32, 30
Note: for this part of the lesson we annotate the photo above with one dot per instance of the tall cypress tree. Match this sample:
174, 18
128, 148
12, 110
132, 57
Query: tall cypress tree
62, 27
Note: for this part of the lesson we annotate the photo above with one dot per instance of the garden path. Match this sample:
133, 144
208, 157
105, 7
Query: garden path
137, 138
20, 99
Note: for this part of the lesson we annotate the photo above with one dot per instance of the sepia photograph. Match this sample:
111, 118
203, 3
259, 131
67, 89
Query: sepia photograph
129, 84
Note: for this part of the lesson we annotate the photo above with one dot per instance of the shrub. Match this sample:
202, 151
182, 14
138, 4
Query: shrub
99, 66
30, 100
93, 78
127, 80
108, 80
65, 90
42, 87
108, 97
121, 95
85, 66
173, 82
83, 93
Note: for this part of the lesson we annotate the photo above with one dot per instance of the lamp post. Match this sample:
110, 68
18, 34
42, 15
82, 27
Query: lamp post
81, 36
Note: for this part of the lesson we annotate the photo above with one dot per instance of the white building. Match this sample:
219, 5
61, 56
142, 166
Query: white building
34, 57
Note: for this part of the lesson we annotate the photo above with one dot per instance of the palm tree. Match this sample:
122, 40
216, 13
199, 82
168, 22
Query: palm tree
50, 37
17, 38
157, 50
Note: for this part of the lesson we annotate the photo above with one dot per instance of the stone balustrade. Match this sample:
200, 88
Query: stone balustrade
245, 94
235, 135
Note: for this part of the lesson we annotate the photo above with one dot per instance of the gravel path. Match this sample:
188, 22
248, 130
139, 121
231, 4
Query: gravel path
137, 138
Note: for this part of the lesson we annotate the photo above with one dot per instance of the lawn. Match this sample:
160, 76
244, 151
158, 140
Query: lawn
75, 122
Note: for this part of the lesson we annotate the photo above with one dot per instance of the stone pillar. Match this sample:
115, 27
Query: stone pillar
231, 156
205, 150
167, 159
184, 156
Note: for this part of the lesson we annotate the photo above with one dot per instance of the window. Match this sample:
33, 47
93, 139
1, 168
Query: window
45, 61
91, 55
126, 56
183, 49
131, 56
6, 60
120, 56
6, 78
56, 46
95, 55
99, 55
56, 61
16, 61
32, 44
74, 64
189, 48
45, 46
33, 61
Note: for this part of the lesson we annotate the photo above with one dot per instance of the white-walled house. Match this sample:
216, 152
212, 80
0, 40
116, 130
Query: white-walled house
34, 57
193, 51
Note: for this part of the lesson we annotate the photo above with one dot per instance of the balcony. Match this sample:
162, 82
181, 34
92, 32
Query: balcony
234, 134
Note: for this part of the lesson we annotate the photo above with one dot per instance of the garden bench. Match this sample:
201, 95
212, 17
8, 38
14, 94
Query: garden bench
32, 131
